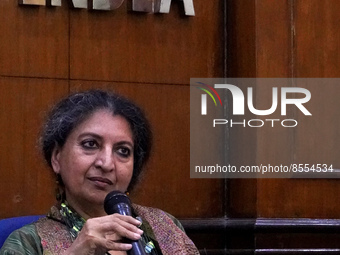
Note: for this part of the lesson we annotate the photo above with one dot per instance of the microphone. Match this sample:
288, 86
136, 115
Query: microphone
117, 202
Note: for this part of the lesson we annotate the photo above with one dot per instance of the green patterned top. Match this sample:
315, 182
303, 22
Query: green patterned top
26, 241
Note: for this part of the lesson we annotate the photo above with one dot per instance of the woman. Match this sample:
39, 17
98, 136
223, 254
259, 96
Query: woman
97, 142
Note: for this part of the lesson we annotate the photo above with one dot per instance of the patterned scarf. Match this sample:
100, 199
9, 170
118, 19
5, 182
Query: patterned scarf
57, 235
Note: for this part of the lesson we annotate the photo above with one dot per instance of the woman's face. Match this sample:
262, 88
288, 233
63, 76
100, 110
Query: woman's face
96, 159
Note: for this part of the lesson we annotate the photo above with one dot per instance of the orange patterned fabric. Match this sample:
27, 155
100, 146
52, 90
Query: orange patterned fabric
55, 236
172, 240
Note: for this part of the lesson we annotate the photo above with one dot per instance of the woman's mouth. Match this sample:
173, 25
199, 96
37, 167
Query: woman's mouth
100, 181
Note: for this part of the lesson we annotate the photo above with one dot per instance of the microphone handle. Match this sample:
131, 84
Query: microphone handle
137, 246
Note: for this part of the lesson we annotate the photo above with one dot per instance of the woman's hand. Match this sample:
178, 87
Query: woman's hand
106, 233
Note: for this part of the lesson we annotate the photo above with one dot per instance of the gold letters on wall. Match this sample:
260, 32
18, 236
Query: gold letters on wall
41, 2
153, 6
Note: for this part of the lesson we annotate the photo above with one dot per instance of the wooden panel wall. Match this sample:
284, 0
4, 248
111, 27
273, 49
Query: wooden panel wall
33, 74
26, 186
125, 46
313, 25
46, 53
34, 41
298, 39
292, 39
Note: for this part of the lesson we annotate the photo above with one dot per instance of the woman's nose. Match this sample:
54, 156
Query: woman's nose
105, 160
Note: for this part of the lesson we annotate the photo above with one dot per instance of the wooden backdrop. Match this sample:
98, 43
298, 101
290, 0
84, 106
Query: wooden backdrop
297, 39
45, 53
289, 39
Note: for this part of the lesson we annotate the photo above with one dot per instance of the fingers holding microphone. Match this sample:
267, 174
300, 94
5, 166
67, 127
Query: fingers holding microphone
118, 231
106, 233
117, 202
122, 228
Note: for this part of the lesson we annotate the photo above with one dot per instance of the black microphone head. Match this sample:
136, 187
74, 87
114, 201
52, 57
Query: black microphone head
114, 199
117, 202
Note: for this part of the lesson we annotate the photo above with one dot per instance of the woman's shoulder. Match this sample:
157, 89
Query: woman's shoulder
168, 231
154, 214
175, 220
22, 241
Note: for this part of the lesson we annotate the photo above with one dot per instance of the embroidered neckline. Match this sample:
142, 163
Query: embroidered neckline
72, 220
75, 223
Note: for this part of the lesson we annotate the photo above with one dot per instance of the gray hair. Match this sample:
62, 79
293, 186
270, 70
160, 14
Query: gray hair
76, 108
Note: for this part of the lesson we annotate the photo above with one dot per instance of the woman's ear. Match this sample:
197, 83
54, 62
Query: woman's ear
55, 159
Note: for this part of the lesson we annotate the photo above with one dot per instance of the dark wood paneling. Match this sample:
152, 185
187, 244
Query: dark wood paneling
166, 183
34, 41
317, 38
259, 45
27, 185
286, 39
154, 48
273, 52
273, 59
296, 251
241, 34
315, 141
241, 62
314, 28
273, 39
301, 198
265, 235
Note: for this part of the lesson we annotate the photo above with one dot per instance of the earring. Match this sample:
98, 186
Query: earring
58, 190
58, 195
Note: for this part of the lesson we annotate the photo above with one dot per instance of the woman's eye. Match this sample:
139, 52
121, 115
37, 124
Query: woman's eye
90, 144
125, 152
